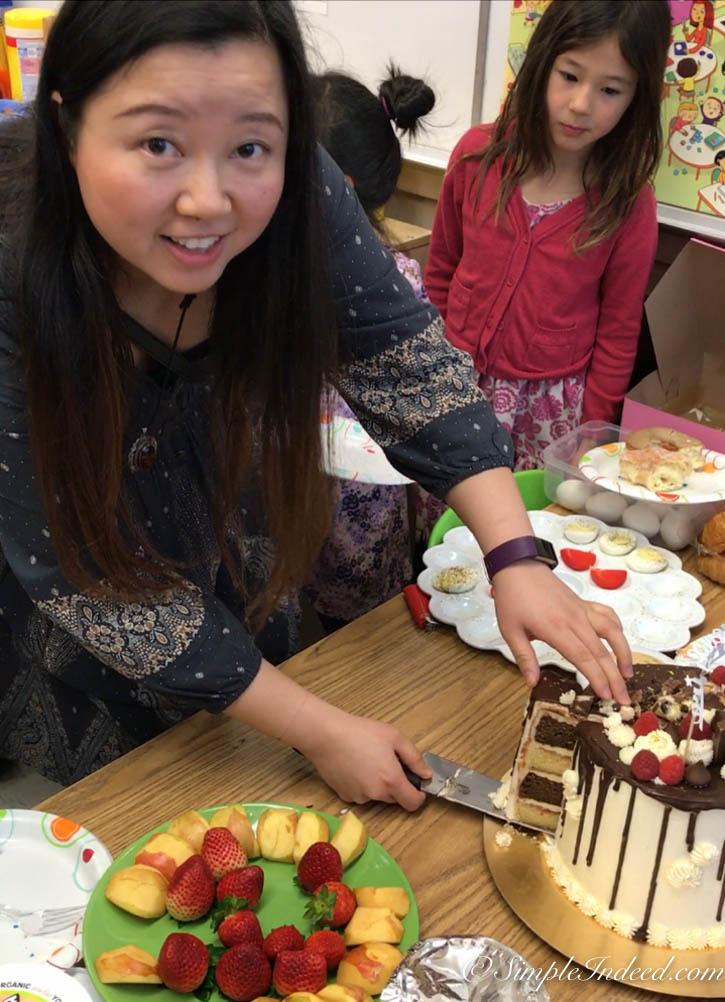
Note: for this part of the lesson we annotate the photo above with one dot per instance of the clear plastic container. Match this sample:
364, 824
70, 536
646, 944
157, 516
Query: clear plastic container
565, 484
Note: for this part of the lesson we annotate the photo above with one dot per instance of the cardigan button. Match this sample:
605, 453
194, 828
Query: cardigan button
509, 281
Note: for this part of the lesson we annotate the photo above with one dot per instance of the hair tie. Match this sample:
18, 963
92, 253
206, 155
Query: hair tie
386, 109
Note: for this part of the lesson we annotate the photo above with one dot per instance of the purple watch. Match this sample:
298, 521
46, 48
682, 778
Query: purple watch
521, 548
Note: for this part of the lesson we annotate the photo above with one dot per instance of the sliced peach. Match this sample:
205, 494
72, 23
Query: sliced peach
164, 852
127, 965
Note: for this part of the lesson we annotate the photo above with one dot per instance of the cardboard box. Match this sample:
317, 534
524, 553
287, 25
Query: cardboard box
686, 314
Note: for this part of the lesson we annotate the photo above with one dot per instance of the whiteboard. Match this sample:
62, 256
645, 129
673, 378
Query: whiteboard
436, 40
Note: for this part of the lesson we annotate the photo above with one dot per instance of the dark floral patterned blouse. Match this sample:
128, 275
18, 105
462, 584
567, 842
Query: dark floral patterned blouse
84, 680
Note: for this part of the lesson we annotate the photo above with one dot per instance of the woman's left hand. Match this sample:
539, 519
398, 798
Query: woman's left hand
533, 604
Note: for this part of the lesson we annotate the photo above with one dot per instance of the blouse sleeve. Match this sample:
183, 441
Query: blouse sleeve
411, 389
186, 649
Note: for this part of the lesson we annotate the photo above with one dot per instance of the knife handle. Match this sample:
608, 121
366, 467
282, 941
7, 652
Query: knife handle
417, 602
412, 777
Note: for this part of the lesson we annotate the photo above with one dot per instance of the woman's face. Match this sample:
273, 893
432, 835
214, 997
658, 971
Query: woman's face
180, 159
697, 13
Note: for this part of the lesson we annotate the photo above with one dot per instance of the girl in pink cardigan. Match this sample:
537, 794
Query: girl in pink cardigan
546, 226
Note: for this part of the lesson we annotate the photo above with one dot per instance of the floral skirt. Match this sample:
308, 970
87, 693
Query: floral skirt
535, 411
367, 557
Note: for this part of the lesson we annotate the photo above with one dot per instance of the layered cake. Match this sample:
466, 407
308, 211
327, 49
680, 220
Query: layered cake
637, 797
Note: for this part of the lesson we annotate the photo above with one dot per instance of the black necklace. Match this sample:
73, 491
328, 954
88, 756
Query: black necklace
143, 452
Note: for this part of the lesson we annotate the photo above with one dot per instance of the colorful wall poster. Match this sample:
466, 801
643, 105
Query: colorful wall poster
691, 174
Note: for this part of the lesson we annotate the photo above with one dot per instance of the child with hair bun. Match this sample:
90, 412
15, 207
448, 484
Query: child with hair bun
367, 557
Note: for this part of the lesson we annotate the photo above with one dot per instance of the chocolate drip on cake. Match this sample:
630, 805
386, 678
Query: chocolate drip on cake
721, 864
623, 846
720, 870
604, 783
585, 764
691, 830
641, 933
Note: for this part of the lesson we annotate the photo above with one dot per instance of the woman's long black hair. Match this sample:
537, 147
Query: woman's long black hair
272, 332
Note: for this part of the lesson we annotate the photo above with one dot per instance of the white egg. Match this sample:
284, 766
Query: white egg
646, 560
573, 494
607, 506
455, 579
581, 530
677, 530
641, 518
617, 542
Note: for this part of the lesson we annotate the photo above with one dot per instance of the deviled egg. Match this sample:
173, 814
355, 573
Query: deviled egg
455, 579
646, 560
580, 530
617, 542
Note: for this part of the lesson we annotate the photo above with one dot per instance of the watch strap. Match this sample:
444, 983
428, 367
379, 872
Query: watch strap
521, 548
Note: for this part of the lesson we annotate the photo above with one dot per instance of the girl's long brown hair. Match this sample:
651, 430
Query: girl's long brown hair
623, 161
272, 335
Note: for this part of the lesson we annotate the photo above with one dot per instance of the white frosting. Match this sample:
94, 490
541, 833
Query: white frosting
703, 853
503, 839
659, 742
570, 781
698, 751
626, 713
657, 934
722, 772
574, 807
683, 873
500, 797
568, 697
627, 754
621, 735
613, 720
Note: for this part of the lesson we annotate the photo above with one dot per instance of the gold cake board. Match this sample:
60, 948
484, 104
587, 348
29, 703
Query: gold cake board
524, 881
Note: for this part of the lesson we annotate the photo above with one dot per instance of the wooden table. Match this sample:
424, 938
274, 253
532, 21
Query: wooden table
463, 704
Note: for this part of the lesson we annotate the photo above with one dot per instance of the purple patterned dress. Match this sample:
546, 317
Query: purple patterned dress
367, 557
535, 411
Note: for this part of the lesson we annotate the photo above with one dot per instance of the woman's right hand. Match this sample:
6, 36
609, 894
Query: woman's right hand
360, 759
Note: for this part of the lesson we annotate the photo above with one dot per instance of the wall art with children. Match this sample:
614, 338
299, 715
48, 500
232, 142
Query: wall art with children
692, 172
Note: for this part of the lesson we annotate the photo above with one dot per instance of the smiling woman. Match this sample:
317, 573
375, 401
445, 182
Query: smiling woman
179, 266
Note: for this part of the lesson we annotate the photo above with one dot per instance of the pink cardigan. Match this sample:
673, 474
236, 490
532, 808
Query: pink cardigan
521, 302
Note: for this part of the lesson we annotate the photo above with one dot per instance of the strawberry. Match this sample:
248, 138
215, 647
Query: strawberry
246, 883
329, 943
284, 937
645, 723
672, 770
299, 971
645, 765
222, 852
718, 675
243, 972
578, 560
191, 890
332, 904
698, 733
241, 927
183, 962
320, 862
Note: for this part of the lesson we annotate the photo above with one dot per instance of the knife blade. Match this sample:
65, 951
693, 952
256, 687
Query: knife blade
454, 782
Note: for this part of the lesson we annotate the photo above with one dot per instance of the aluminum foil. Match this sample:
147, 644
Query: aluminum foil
467, 968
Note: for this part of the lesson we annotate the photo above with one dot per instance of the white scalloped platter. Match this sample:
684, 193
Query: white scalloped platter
657, 610
601, 465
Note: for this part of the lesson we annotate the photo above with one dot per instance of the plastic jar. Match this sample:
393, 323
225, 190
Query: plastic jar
25, 43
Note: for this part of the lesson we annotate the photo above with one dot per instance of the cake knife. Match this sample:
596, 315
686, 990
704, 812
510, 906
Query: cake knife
454, 782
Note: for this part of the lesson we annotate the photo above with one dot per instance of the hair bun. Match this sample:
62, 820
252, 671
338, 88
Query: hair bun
405, 99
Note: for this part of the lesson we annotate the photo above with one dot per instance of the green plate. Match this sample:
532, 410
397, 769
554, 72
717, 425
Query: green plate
106, 927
